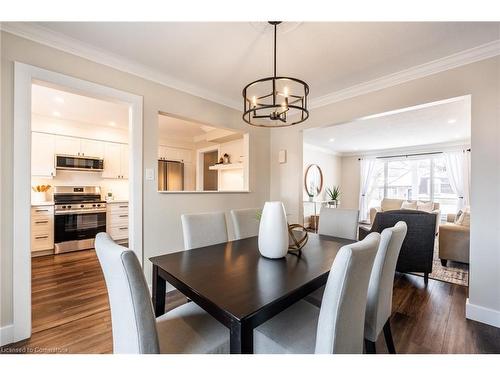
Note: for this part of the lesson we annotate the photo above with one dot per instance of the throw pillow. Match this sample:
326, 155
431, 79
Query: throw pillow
425, 206
407, 205
466, 219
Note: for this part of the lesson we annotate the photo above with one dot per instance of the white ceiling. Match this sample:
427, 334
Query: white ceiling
59, 104
171, 127
431, 124
216, 59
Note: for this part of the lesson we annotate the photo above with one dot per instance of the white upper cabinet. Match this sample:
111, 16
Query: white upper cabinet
124, 160
174, 154
79, 147
67, 145
115, 160
42, 154
92, 148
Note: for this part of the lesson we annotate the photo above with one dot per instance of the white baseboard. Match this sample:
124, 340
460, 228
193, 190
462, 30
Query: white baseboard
482, 314
6, 335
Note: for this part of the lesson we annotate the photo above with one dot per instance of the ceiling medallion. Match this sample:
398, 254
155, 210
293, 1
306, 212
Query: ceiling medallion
275, 102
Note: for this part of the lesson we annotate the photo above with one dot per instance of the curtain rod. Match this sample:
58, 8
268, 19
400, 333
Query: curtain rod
407, 155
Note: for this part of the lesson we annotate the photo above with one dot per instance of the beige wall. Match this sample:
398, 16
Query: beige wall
162, 227
482, 81
350, 182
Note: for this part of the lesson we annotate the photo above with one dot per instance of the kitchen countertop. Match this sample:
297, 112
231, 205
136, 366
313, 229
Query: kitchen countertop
117, 201
48, 203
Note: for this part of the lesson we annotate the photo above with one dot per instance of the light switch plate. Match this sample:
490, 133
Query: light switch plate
150, 174
282, 156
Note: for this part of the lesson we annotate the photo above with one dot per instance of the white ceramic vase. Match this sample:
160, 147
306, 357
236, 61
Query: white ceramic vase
273, 231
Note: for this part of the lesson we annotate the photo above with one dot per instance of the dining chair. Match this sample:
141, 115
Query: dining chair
204, 229
336, 327
246, 222
185, 329
379, 301
339, 222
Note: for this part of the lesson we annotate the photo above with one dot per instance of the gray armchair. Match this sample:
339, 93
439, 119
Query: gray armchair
417, 251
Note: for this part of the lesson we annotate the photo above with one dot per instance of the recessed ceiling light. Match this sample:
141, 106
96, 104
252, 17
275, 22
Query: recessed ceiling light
58, 99
331, 140
57, 114
112, 123
452, 121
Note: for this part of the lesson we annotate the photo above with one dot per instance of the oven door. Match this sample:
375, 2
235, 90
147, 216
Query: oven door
77, 231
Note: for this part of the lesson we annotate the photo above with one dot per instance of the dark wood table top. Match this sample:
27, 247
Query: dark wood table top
233, 277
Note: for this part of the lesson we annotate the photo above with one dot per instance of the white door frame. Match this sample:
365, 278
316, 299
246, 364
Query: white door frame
24, 76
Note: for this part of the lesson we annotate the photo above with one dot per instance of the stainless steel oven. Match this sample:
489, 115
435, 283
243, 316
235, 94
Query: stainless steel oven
79, 215
79, 163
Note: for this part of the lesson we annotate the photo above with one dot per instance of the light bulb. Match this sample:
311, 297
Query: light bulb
254, 101
285, 92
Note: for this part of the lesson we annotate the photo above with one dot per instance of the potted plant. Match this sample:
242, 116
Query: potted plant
333, 195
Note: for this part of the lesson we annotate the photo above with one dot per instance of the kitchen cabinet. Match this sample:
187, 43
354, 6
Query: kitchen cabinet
115, 160
92, 148
42, 230
117, 220
174, 154
42, 155
67, 145
79, 147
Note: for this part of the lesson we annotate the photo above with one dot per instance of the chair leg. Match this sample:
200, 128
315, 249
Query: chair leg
444, 262
388, 338
370, 347
426, 278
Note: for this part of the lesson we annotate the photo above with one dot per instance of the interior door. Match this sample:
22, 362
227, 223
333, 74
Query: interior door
210, 178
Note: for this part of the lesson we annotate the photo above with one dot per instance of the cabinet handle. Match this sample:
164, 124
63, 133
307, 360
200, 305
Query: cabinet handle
122, 206
122, 215
40, 210
41, 222
123, 228
40, 237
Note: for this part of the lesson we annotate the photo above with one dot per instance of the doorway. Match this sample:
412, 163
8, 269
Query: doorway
25, 76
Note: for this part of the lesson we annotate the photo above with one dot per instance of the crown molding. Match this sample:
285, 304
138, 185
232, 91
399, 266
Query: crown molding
73, 46
67, 44
465, 57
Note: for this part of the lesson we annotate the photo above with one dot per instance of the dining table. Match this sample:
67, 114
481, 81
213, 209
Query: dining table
239, 287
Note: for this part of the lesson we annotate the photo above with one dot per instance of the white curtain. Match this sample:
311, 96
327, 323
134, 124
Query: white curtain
458, 169
367, 167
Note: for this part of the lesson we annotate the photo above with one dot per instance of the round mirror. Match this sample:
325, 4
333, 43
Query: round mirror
313, 180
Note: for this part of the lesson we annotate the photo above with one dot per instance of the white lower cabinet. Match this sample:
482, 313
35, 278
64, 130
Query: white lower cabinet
42, 230
117, 220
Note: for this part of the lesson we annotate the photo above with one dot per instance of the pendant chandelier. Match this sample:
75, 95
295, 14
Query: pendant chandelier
275, 102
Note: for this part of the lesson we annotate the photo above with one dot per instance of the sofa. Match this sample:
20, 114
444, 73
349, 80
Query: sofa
454, 238
389, 204
417, 251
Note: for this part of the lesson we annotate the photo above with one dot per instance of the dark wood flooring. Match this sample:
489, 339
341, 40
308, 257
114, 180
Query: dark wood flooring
71, 312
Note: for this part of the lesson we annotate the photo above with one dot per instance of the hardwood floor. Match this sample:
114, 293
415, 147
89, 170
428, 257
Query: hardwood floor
71, 312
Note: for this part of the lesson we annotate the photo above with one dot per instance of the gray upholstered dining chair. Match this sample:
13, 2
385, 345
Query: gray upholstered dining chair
339, 222
185, 329
204, 229
338, 326
379, 301
245, 222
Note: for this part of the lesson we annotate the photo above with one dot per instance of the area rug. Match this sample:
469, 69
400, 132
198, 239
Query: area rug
454, 272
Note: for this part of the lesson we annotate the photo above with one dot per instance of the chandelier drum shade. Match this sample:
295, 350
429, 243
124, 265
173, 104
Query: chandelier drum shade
275, 101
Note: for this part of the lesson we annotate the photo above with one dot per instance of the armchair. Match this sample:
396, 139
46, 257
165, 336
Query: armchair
417, 251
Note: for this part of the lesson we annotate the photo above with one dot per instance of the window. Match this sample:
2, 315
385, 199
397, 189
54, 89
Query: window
423, 178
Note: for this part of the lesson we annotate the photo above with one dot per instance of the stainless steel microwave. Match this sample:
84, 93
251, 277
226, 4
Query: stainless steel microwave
79, 163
